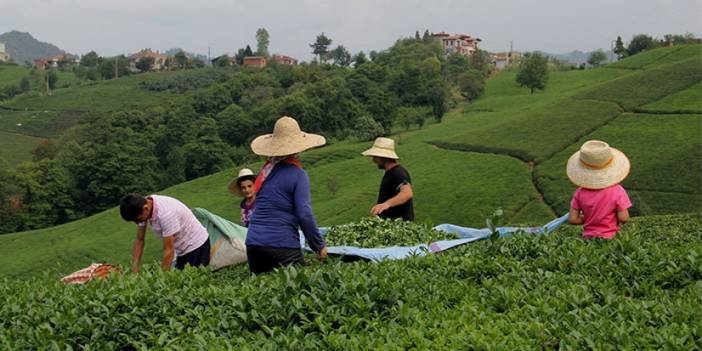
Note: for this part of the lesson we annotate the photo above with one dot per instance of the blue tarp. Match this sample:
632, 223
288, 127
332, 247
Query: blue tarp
466, 235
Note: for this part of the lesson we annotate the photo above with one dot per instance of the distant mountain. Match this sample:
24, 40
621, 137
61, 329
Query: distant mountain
575, 57
23, 47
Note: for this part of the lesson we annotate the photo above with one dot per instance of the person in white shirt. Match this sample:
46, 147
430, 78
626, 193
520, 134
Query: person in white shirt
182, 234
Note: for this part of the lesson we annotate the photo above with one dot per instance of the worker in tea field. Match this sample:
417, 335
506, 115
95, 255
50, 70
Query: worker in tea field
243, 186
600, 204
395, 194
283, 200
184, 238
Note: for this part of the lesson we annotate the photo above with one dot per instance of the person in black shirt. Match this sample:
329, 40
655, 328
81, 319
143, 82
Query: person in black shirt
395, 194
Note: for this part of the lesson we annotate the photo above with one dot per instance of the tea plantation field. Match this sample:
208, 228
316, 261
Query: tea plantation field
507, 150
639, 291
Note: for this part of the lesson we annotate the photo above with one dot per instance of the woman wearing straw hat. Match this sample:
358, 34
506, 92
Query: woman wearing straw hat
243, 186
283, 201
599, 203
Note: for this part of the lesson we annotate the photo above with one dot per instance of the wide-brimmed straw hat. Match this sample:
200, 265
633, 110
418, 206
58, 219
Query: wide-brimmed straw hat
382, 147
234, 183
287, 139
597, 166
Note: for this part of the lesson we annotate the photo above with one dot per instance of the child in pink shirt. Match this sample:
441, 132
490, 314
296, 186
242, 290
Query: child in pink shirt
600, 204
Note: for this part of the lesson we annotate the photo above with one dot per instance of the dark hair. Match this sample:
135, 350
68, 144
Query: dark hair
131, 206
246, 177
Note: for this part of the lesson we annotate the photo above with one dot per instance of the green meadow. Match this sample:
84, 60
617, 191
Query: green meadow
15, 148
506, 150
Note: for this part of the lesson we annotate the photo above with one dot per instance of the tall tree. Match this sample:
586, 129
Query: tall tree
262, 41
145, 63
359, 59
181, 59
640, 42
533, 72
340, 56
619, 48
416, 36
248, 51
597, 57
321, 47
90, 59
426, 35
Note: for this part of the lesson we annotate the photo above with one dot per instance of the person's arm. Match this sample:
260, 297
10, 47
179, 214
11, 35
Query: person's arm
623, 216
575, 217
168, 253
138, 249
303, 211
402, 197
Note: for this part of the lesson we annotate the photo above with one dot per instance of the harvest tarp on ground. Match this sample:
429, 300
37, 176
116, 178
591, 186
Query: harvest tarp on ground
227, 238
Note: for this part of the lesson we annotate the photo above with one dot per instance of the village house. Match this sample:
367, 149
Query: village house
255, 61
284, 60
56, 61
4, 56
462, 44
503, 60
158, 64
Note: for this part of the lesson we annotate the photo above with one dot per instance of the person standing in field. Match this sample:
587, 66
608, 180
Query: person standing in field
395, 194
184, 238
243, 186
600, 204
283, 200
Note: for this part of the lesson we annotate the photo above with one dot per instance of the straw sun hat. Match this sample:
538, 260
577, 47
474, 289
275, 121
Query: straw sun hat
597, 166
234, 187
287, 139
382, 147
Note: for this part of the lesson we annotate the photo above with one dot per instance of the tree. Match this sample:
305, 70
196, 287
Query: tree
118, 64
619, 48
51, 79
597, 57
426, 37
145, 63
25, 85
240, 54
46, 149
236, 127
222, 61
321, 47
438, 95
359, 59
340, 56
247, 51
181, 60
638, 43
533, 72
416, 36
90, 59
471, 84
262, 41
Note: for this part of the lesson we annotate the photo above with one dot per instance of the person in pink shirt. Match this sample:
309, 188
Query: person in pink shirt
600, 204
182, 234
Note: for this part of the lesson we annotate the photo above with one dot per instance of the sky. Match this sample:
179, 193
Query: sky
125, 26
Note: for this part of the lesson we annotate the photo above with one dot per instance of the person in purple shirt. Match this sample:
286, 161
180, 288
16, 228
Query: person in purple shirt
243, 186
283, 201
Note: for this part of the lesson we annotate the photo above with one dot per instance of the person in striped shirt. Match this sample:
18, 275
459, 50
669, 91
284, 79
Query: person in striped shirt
184, 238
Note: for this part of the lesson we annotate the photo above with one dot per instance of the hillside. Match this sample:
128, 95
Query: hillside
23, 47
506, 150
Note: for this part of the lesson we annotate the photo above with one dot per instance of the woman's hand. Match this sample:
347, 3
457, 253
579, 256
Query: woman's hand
322, 253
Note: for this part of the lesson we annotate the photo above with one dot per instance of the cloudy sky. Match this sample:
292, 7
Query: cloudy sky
125, 26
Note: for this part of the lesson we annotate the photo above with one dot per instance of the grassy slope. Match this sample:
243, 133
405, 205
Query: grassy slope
15, 148
665, 165
450, 186
686, 101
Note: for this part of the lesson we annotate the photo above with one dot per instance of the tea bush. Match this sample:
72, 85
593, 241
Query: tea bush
377, 232
639, 291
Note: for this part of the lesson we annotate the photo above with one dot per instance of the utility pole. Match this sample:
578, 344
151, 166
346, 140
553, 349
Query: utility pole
117, 66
